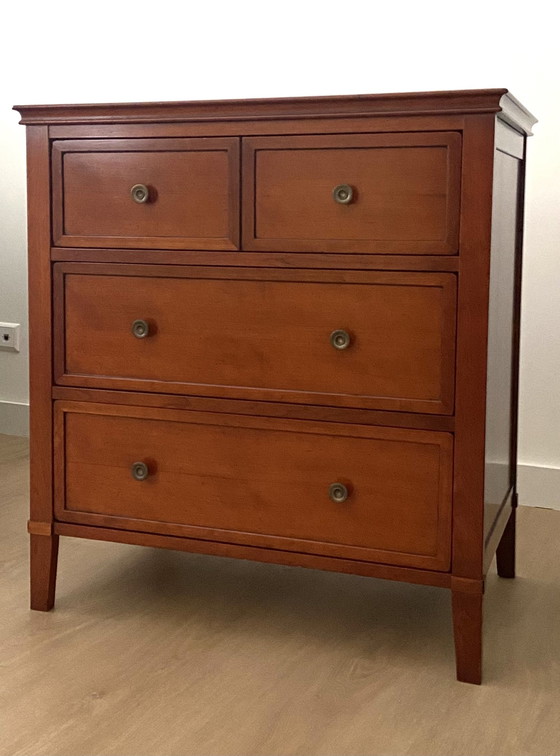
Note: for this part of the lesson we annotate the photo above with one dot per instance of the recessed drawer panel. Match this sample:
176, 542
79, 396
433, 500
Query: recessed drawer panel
379, 340
378, 494
160, 193
376, 193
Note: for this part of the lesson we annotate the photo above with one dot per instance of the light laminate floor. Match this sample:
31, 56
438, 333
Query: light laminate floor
157, 653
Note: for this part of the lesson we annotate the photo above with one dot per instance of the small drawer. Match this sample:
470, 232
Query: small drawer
382, 340
146, 193
370, 193
376, 494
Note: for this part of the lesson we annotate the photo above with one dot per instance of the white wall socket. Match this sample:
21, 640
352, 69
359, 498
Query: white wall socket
9, 337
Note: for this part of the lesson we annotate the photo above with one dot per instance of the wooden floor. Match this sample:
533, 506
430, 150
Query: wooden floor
157, 653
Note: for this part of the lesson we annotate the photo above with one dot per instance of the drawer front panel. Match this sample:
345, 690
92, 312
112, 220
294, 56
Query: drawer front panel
186, 196
374, 340
403, 197
258, 481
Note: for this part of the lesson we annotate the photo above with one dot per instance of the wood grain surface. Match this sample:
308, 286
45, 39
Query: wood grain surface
43, 548
193, 199
472, 339
257, 408
345, 107
259, 334
173, 653
258, 481
405, 193
421, 170
323, 261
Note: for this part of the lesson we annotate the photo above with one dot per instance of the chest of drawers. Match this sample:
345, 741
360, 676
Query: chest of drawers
280, 330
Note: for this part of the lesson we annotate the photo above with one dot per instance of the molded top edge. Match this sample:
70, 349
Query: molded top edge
342, 106
516, 114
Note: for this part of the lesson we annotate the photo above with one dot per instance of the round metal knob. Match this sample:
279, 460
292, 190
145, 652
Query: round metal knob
140, 193
338, 492
140, 329
343, 194
139, 470
340, 339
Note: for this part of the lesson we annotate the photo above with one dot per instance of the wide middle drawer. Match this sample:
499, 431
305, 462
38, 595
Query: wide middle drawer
382, 340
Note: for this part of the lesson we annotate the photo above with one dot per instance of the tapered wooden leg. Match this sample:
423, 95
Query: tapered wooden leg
43, 558
505, 553
467, 630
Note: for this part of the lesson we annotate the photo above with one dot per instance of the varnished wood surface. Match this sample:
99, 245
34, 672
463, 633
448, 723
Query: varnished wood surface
43, 558
193, 193
43, 550
329, 261
472, 336
319, 125
173, 653
503, 337
260, 335
405, 193
467, 634
266, 409
259, 482
467, 116
340, 106
258, 554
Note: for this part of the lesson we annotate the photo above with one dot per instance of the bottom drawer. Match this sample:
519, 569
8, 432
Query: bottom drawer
352, 491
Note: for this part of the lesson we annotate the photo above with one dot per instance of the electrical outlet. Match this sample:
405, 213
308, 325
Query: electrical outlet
9, 337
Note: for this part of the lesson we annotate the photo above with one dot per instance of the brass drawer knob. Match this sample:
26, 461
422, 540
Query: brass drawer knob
343, 194
338, 493
340, 339
140, 329
140, 193
139, 470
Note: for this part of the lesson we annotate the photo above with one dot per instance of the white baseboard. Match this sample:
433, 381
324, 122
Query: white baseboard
539, 486
14, 418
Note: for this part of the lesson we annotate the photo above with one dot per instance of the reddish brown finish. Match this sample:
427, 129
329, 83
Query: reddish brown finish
467, 632
474, 120
466, 585
321, 125
406, 190
43, 557
39, 528
420, 263
266, 335
259, 481
264, 409
43, 549
193, 193
472, 334
505, 554
272, 556
437, 104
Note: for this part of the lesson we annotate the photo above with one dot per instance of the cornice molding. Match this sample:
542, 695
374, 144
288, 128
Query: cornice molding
476, 101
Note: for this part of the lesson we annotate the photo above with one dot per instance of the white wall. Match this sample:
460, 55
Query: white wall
13, 271
118, 51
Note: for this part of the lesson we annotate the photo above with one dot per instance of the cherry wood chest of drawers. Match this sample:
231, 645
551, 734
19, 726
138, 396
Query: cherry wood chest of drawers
280, 330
